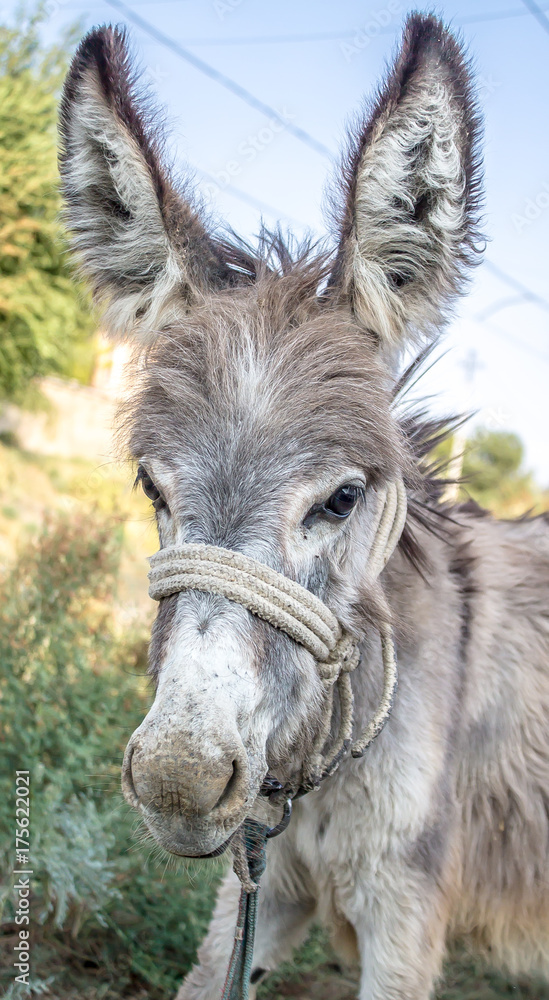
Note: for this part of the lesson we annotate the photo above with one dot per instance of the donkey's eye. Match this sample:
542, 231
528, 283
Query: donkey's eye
337, 507
149, 489
341, 503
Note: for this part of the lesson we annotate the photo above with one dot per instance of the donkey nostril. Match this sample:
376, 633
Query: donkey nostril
227, 791
128, 787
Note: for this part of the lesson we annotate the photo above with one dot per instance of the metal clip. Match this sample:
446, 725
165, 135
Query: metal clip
280, 827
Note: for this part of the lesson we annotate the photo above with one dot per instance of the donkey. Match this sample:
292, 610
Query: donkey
263, 419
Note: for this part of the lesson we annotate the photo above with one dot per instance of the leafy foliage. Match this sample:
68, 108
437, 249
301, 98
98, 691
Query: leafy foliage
44, 317
489, 465
493, 468
69, 699
61, 703
71, 855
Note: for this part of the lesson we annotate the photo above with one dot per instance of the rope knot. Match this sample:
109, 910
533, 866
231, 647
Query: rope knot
248, 849
343, 658
350, 654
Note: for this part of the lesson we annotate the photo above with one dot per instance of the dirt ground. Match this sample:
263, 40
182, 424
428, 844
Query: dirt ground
84, 977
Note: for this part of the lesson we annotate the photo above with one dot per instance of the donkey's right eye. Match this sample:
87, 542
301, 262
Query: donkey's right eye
149, 489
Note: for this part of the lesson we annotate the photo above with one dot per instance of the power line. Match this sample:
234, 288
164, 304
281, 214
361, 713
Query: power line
321, 36
538, 13
224, 81
523, 290
248, 199
520, 344
496, 15
349, 33
491, 310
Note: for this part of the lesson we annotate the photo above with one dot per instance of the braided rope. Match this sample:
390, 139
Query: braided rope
389, 527
294, 610
266, 593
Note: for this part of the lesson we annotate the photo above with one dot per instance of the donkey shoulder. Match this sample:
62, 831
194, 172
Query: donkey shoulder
506, 563
503, 568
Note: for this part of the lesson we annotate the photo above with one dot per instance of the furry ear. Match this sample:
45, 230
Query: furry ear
411, 192
141, 244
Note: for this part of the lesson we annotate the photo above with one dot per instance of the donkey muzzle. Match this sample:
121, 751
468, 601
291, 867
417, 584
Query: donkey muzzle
192, 793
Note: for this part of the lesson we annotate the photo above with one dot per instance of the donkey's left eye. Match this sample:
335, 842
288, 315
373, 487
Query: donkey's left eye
149, 489
341, 503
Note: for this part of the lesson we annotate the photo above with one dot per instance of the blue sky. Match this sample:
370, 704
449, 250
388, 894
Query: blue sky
313, 62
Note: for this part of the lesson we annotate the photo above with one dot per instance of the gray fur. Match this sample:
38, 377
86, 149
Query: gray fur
410, 198
267, 385
142, 245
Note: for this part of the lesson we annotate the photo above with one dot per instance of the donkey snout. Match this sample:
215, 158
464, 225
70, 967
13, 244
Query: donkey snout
172, 780
172, 783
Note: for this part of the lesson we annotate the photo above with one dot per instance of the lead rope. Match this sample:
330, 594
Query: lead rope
305, 618
253, 842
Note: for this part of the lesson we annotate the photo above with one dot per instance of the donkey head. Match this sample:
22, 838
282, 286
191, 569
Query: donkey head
261, 419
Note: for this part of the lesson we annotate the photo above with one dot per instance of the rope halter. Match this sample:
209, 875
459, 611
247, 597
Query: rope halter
294, 610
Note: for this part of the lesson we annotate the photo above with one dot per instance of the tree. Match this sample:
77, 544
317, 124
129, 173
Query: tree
493, 472
44, 316
489, 465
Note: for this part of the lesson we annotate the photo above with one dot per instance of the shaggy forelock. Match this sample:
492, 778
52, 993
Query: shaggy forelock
267, 370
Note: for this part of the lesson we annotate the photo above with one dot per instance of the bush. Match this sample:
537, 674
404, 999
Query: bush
45, 322
69, 699
64, 698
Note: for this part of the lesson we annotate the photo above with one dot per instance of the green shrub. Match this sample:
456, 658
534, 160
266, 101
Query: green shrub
71, 858
69, 699
65, 701
45, 322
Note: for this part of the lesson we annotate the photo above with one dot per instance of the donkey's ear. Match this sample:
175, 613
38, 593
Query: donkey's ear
141, 244
408, 219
